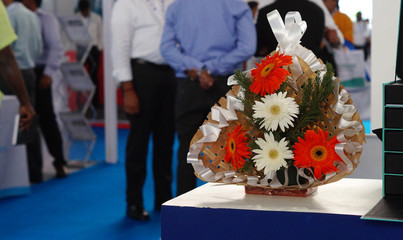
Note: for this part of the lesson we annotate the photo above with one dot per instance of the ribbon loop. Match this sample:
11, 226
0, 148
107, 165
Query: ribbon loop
288, 36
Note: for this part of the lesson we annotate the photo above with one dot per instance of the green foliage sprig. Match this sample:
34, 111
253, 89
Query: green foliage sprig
314, 93
250, 97
247, 167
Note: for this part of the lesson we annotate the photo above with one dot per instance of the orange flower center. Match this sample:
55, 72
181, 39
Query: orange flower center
267, 69
273, 154
232, 146
318, 153
275, 109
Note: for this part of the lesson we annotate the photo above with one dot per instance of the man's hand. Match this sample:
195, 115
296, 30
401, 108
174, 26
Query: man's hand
331, 37
206, 81
193, 74
27, 114
45, 82
131, 103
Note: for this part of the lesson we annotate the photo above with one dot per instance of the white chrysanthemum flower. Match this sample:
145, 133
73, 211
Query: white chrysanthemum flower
277, 110
272, 154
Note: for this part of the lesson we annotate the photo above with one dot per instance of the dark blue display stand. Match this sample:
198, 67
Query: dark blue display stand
226, 212
206, 223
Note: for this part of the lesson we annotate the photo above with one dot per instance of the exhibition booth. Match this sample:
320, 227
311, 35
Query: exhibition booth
360, 199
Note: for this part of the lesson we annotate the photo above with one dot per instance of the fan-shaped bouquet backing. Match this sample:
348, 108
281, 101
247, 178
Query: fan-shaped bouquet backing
284, 128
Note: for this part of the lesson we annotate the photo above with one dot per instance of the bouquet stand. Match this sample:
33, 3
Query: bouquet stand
335, 212
280, 192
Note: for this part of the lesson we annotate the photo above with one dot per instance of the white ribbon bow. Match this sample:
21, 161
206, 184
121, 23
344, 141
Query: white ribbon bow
288, 36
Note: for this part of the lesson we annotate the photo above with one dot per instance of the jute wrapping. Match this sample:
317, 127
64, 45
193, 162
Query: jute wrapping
212, 154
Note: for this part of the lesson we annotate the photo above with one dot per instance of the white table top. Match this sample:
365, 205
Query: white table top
347, 196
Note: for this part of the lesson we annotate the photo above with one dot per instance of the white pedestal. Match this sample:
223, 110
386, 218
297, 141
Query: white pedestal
218, 211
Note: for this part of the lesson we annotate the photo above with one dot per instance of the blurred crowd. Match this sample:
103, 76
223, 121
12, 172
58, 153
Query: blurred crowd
172, 60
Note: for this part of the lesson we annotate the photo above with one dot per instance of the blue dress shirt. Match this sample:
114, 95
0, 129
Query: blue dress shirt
26, 25
215, 34
53, 50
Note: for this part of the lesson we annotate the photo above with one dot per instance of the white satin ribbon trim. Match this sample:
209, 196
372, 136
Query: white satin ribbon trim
309, 58
349, 147
252, 180
217, 114
341, 107
275, 183
228, 176
231, 79
347, 112
287, 34
211, 133
222, 115
239, 179
301, 173
264, 181
350, 128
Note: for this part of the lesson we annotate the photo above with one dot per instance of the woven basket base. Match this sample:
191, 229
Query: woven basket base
280, 192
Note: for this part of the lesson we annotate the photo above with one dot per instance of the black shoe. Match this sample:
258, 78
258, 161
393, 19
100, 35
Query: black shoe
137, 213
61, 171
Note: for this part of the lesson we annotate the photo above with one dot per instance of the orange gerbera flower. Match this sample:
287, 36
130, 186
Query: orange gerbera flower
268, 76
236, 149
317, 152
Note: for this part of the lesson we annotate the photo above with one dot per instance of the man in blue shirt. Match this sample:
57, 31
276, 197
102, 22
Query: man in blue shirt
47, 65
205, 41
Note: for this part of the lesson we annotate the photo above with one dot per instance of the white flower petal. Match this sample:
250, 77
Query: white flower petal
264, 161
288, 111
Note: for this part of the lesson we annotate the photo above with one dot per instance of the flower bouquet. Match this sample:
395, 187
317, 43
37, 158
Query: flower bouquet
285, 127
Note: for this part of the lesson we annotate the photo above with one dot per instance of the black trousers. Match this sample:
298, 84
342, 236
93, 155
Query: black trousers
47, 120
34, 151
192, 106
93, 67
155, 86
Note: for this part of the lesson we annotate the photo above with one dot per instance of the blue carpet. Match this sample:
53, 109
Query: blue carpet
89, 204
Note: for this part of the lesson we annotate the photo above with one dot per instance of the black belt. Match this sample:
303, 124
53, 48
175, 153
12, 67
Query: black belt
147, 63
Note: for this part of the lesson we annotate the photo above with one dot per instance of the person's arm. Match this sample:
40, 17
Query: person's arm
122, 32
11, 73
334, 40
52, 39
332, 37
169, 48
